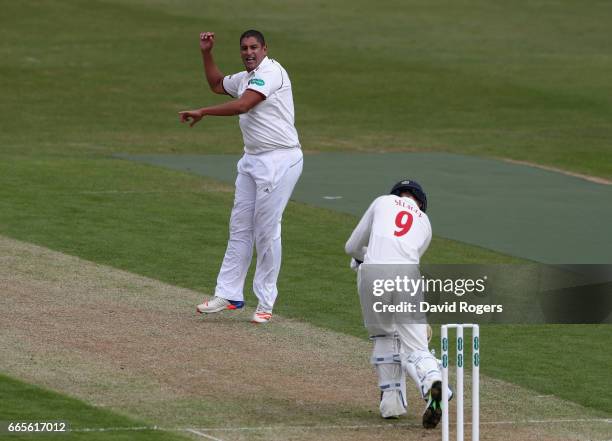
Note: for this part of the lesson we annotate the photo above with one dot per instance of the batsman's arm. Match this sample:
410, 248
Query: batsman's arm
358, 242
426, 243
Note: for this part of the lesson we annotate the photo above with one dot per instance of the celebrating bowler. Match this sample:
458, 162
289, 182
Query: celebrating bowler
267, 172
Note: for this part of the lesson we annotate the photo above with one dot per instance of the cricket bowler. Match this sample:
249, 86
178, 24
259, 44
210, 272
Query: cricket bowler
267, 172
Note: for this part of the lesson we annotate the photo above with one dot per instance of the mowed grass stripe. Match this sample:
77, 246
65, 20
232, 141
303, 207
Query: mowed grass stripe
22, 402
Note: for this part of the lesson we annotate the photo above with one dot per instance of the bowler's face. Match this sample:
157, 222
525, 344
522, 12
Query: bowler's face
252, 52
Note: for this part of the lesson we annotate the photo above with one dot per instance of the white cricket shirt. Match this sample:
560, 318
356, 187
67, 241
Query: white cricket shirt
270, 124
392, 230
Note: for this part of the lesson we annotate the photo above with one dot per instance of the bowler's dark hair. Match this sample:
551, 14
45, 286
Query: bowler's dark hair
253, 33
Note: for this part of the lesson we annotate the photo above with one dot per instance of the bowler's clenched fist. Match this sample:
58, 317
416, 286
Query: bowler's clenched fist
207, 41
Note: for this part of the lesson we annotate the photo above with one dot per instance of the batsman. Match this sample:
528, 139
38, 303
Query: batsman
395, 232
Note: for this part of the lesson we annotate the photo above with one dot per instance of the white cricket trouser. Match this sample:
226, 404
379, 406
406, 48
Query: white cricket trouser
412, 336
263, 186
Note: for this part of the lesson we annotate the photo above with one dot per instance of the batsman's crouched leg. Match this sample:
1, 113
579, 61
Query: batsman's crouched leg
423, 368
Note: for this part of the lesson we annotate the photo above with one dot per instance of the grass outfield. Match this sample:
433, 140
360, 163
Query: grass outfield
23, 402
526, 80
84, 80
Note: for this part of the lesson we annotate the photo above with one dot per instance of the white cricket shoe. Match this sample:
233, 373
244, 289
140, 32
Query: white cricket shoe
216, 304
261, 315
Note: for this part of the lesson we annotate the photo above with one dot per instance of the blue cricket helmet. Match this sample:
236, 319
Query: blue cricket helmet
412, 187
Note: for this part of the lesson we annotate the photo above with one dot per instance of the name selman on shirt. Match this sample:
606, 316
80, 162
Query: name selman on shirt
270, 125
392, 230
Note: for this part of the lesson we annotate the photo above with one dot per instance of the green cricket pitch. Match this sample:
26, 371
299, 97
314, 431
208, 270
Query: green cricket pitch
515, 209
